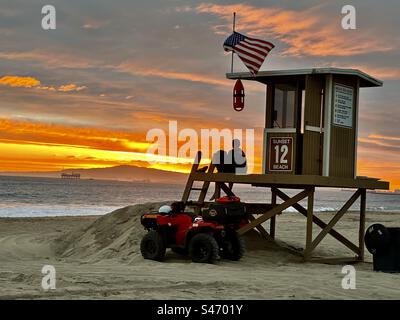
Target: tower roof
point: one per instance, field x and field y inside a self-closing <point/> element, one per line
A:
<point x="266" y="76"/>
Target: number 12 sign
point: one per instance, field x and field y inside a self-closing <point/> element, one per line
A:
<point x="280" y="154"/>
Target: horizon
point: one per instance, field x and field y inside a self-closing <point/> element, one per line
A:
<point x="84" y="96"/>
<point x="108" y="167"/>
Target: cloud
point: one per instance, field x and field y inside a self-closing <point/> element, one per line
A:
<point x="184" y="9"/>
<point x="30" y="82"/>
<point x="71" y="87"/>
<point x="385" y="144"/>
<point x="382" y="137"/>
<point x="379" y="157"/>
<point x="380" y="72"/>
<point x="55" y="60"/>
<point x="386" y="73"/>
<point x="14" y="131"/>
<point x="49" y="88"/>
<point x="208" y="79"/>
<point x="304" y="32"/>
<point x="94" y="24"/>
<point x="170" y="74"/>
<point x="19" y="82"/>
<point x="89" y="26"/>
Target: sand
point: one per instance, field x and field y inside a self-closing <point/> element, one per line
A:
<point x="99" y="258"/>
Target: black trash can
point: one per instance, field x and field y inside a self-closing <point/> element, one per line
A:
<point x="384" y="244"/>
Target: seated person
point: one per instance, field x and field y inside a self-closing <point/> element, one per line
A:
<point x="237" y="158"/>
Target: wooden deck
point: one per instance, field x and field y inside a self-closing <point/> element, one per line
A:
<point x="268" y="210"/>
<point x="293" y="181"/>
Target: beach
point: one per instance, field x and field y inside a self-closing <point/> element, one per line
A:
<point x="98" y="257"/>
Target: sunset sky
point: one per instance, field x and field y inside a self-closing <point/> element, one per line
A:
<point x="85" y="95"/>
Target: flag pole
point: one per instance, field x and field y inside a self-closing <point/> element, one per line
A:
<point x="234" y="27"/>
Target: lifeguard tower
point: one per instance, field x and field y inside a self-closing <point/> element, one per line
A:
<point x="310" y="140"/>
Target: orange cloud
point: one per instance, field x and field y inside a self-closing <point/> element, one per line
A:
<point x="385" y="170"/>
<point x="92" y="24"/>
<point x="27" y="146"/>
<point x="375" y="142"/>
<point x="306" y="32"/>
<point x="379" y="157"/>
<point x="390" y="144"/>
<point x="186" y="76"/>
<point x="30" y="156"/>
<point x="24" y="145"/>
<point x="70" y="87"/>
<point x="169" y="74"/>
<point x="391" y="73"/>
<point x="382" y="137"/>
<point x="40" y="133"/>
<point x="49" y="88"/>
<point x="19" y="82"/>
<point x="384" y="73"/>
<point x="30" y="82"/>
<point x="56" y="60"/>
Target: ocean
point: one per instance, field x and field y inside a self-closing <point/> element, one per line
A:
<point x="40" y="197"/>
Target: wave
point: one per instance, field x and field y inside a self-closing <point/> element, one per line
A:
<point x="29" y="210"/>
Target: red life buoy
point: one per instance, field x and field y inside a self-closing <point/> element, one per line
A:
<point x="238" y="96"/>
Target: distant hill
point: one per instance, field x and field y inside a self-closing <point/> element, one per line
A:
<point x="122" y="173"/>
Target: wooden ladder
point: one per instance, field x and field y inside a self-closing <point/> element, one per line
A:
<point x="189" y="184"/>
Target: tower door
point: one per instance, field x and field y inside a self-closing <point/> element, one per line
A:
<point x="313" y="125"/>
<point x="282" y="137"/>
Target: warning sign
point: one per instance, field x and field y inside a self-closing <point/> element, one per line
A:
<point x="280" y="153"/>
<point x="343" y="106"/>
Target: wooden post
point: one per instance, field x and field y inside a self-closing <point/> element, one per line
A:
<point x="226" y="189"/>
<point x="363" y="202"/>
<point x="335" y="219"/>
<point x="261" y="230"/>
<point x="269" y="214"/>
<point x="321" y="224"/>
<point x="272" y="226"/>
<point x="190" y="181"/>
<point x="310" y="215"/>
<point x="217" y="190"/>
<point x="206" y="185"/>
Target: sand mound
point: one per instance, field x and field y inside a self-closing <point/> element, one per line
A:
<point x="114" y="235"/>
<point x="118" y="235"/>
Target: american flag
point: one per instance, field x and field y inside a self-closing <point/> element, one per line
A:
<point x="251" y="51"/>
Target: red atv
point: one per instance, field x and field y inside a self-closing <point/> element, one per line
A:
<point x="205" y="238"/>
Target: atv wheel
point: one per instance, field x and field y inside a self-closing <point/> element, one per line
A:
<point x="232" y="246"/>
<point x="180" y="251"/>
<point x="203" y="248"/>
<point x="152" y="246"/>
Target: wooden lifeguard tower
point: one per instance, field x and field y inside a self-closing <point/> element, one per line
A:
<point x="310" y="140"/>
